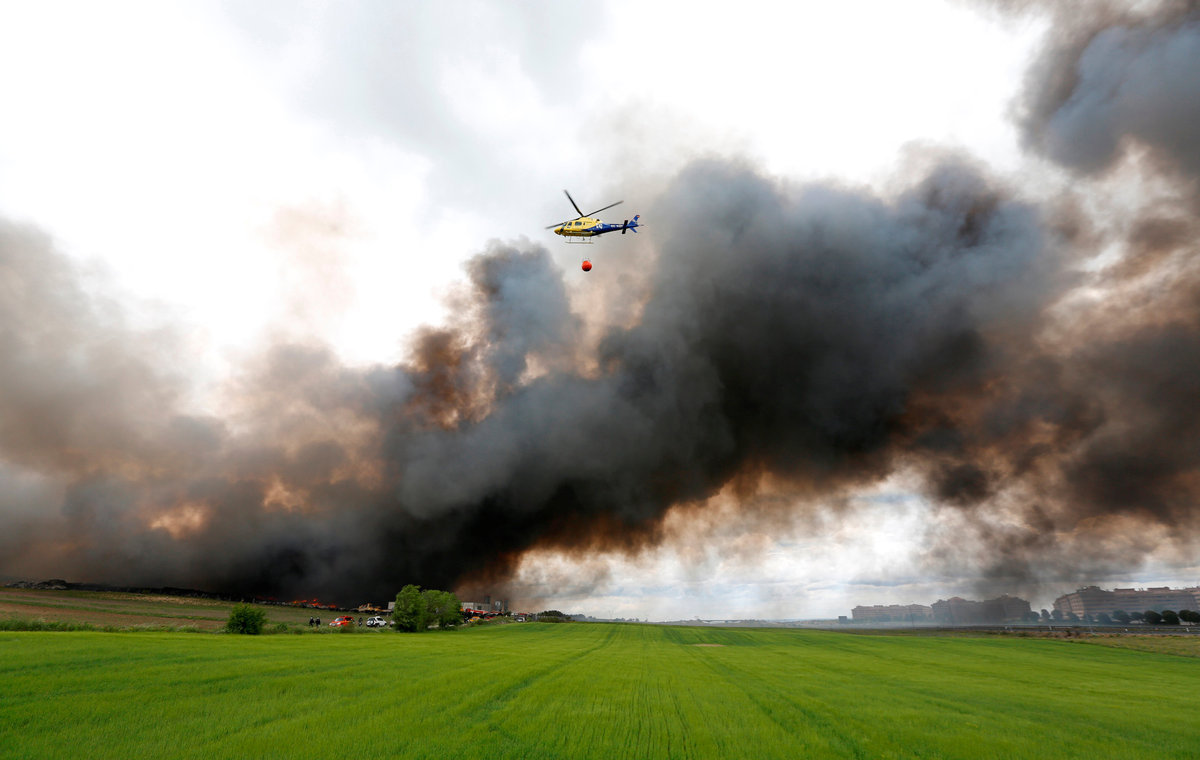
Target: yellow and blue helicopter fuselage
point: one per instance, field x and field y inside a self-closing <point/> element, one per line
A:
<point x="590" y="227"/>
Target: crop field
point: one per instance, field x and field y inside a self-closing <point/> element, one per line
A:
<point x="589" y="691"/>
<point x="124" y="610"/>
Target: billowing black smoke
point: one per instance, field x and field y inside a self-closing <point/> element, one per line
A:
<point x="816" y="338"/>
<point x="786" y="337"/>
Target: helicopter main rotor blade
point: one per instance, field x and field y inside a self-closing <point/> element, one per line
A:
<point x="561" y="223"/>
<point x="573" y="203"/>
<point x="597" y="211"/>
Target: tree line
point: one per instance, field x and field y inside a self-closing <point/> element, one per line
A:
<point x="1120" y="617"/>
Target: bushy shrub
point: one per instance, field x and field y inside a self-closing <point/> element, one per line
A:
<point x="245" y="618"/>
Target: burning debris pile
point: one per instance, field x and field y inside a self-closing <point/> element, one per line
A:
<point x="1034" y="363"/>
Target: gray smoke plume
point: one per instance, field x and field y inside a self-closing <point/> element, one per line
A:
<point x="813" y="337"/>
<point x="1112" y="99"/>
<point x="1115" y="77"/>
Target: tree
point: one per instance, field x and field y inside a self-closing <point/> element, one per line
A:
<point x="1169" y="617"/>
<point x="1137" y="616"/>
<point x="1189" y="616"/>
<point x="246" y="618"/>
<point x="442" y="607"/>
<point x="416" y="610"/>
<point x="1121" y="616"/>
<point x="410" y="613"/>
<point x="1151" y="617"/>
<point x="1045" y="615"/>
<point x="1104" y="619"/>
<point x="1057" y="615"/>
<point x="1071" y="616"/>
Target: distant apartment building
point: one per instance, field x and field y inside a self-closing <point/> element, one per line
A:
<point x="952" y="611"/>
<point x="892" y="613"/>
<point x="959" y="611"/>
<point x="1093" y="600"/>
<point x="1005" y="608"/>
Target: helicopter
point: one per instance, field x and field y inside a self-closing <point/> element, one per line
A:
<point x="587" y="225"/>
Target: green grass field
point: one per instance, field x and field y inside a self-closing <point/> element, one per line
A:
<point x="589" y="691"/>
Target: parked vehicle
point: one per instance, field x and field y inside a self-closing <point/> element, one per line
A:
<point x="376" y="622"/>
<point x="342" y="620"/>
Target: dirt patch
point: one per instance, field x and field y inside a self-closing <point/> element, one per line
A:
<point x="52" y="613"/>
<point x="123" y="609"/>
<point x="97" y="609"/>
<point x="1183" y="645"/>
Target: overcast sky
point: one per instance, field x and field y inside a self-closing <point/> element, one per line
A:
<point x="255" y="172"/>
